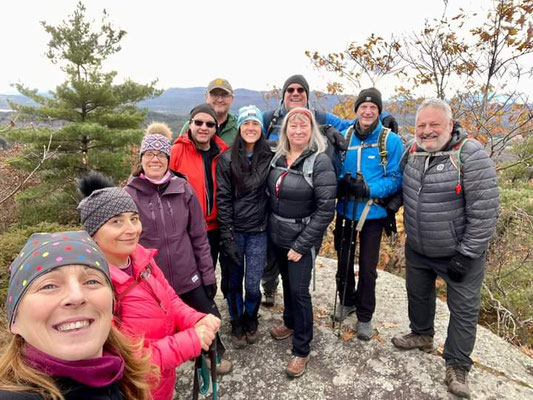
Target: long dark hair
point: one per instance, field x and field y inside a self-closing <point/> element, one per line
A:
<point x="245" y="172"/>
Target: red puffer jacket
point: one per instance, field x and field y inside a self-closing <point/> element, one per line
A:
<point x="151" y="309"/>
<point x="186" y="159"/>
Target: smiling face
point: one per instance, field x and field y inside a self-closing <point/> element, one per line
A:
<point x="154" y="164"/>
<point x="118" y="237"/>
<point x="200" y="132"/>
<point x="298" y="131"/>
<point x="367" y="113"/>
<point x="433" y="130"/>
<point x="220" y="100"/>
<point x="66" y="313"/>
<point x="295" y="96"/>
<point x="250" y="131"/>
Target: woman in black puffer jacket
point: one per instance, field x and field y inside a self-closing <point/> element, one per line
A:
<point x="242" y="214"/>
<point x="302" y="187"/>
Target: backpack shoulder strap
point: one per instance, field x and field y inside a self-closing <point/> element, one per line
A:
<point x="308" y="167"/>
<point x="382" y="148"/>
<point x="274" y="117"/>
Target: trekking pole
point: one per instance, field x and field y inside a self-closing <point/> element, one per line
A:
<point x="337" y="280"/>
<point x="213" y="358"/>
<point x="201" y="377"/>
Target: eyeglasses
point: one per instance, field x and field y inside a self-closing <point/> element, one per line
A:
<point x="199" y="122"/>
<point x="149" y="155"/>
<point x="291" y="90"/>
<point x="220" y="95"/>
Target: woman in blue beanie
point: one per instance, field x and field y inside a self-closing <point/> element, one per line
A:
<point x="242" y="214"/>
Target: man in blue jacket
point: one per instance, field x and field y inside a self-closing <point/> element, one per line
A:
<point x="370" y="174"/>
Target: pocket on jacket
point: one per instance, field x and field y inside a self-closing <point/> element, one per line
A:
<point x="454" y="233"/>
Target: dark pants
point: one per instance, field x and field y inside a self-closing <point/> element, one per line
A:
<point x="463" y="300"/>
<point x="298" y="310"/>
<point x="252" y="251"/>
<point x="214" y="242"/>
<point x="197" y="299"/>
<point x="271" y="272"/>
<point x="364" y="299"/>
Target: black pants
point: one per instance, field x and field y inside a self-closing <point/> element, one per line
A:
<point x="214" y="242"/>
<point x="270" y="279"/>
<point x="364" y="299"/>
<point x="197" y="299"/>
<point x="298" y="309"/>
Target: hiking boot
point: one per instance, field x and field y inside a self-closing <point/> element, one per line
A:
<point x="364" y="330"/>
<point x="457" y="380"/>
<point x="296" y="366"/>
<point x="413" y="341"/>
<point x="342" y="312"/>
<point x="251" y="329"/>
<point x="238" y="337"/>
<point x="270" y="299"/>
<point x="281" y="332"/>
<point x="224" y="367"/>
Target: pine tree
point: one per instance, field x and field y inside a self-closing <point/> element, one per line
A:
<point x="99" y="119"/>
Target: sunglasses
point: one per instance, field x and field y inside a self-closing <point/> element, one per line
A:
<point x="199" y="122"/>
<point x="291" y="90"/>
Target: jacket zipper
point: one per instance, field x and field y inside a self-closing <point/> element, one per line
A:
<point x="170" y="276"/>
<point x="154" y="221"/>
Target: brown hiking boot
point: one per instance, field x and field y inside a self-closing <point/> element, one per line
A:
<point x="238" y="338"/>
<point x="457" y="380"/>
<point x="281" y="332"/>
<point x="224" y="367"/>
<point x="413" y="341"/>
<point x="251" y="328"/>
<point x="296" y="366"/>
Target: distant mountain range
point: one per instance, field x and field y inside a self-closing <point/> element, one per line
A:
<point x="180" y="101"/>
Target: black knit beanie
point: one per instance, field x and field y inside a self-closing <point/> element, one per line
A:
<point x="204" y="108"/>
<point x="300" y="80"/>
<point x="371" y="95"/>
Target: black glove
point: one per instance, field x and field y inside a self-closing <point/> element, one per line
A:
<point x="459" y="266"/>
<point x="229" y="247"/>
<point x="389" y="223"/>
<point x="390" y="122"/>
<point x="211" y="290"/>
<point x="334" y="137"/>
<point x="393" y="202"/>
<point x="359" y="188"/>
<point x="343" y="187"/>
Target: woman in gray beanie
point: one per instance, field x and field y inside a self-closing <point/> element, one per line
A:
<point x="63" y="344"/>
<point x="147" y="306"/>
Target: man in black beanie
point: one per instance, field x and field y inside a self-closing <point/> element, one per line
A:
<point x="370" y="173"/>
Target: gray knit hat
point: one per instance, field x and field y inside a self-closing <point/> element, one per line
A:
<point x="102" y="202"/>
<point x="44" y="252"/>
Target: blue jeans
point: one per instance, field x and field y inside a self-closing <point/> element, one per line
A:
<point x="252" y="251"/>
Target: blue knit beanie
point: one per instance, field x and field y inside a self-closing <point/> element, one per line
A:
<point x="249" y="112"/>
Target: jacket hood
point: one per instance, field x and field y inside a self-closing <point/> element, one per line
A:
<point x="458" y="134"/>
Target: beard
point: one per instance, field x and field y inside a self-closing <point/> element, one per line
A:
<point x="437" y="142"/>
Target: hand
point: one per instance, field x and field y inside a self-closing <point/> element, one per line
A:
<point x="359" y="188"/>
<point x="211" y="291"/>
<point x="390" y="122"/>
<point x="229" y="247"/>
<point x="293" y="256"/>
<point x="209" y="321"/>
<point x="343" y="187"/>
<point x="205" y="335"/>
<point x="459" y="266"/>
<point x="334" y="137"/>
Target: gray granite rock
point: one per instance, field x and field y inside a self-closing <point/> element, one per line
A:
<point x="347" y="368"/>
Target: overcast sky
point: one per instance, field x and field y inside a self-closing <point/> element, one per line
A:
<point x="253" y="44"/>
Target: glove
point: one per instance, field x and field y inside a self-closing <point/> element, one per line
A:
<point x="229" y="247"/>
<point x="393" y="202"/>
<point x="390" y="122"/>
<point x="359" y="188"/>
<point x="459" y="266"/>
<point x="343" y="187"/>
<point x="211" y="290"/>
<point x="334" y="137"/>
<point x="389" y="223"/>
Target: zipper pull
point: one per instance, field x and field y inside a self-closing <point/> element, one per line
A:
<point x="458" y="189"/>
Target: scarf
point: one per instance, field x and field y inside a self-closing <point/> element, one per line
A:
<point x="166" y="178"/>
<point x="96" y="372"/>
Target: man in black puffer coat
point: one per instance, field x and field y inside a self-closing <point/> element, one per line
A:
<point x="450" y="193"/>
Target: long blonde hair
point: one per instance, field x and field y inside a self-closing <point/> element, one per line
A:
<point x="16" y="375"/>
<point x="316" y="141"/>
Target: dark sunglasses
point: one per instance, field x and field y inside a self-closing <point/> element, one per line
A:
<point x="199" y="122"/>
<point x="291" y="90"/>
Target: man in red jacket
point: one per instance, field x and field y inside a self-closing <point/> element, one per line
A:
<point x="195" y="155"/>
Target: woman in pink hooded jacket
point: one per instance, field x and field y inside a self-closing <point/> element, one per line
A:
<point x="146" y="306"/>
